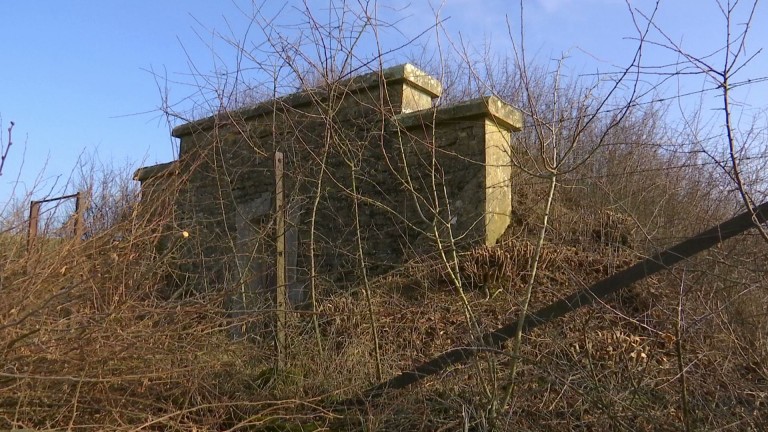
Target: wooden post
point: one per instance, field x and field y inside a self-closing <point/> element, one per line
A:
<point x="34" y="217"/>
<point x="280" y="294"/>
<point x="80" y="205"/>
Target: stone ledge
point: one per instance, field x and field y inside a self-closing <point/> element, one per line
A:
<point x="163" y="169"/>
<point x="405" y="73"/>
<point x="504" y="114"/>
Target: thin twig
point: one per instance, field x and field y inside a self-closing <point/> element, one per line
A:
<point x="7" y="147"/>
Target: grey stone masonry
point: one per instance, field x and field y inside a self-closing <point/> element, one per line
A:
<point x="374" y="175"/>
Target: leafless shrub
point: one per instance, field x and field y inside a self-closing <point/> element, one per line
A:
<point x="113" y="333"/>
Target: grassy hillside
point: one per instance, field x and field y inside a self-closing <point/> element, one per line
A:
<point x="88" y="341"/>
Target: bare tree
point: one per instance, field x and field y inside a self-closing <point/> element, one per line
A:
<point x="722" y="70"/>
<point x="5" y="148"/>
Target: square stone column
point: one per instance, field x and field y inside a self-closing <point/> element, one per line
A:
<point x="472" y="144"/>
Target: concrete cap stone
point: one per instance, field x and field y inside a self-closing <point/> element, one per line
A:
<point x="504" y="114"/>
<point x="146" y="173"/>
<point x="405" y="73"/>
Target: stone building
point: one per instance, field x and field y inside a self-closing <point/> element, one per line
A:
<point x="368" y="173"/>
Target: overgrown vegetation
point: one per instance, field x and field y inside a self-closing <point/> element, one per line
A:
<point x="101" y="334"/>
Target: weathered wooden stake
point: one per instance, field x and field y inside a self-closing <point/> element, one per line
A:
<point x="80" y="206"/>
<point x="34" y="217"/>
<point x="280" y="294"/>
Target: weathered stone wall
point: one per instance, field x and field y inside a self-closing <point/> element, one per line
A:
<point x="370" y="166"/>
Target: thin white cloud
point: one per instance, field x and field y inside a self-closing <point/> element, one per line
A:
<point x="552" y="6"/>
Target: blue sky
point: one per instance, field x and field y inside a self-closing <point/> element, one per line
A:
<point x="76" y="75"/>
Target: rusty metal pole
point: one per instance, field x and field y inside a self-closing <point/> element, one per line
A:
<point x="280" y="294"/>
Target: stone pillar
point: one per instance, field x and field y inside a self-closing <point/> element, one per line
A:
<point x="471" y="141"/>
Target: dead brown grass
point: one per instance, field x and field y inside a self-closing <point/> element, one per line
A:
<point x="91" y="342"/>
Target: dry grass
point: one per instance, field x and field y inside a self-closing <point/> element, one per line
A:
<point x="88" y="344"/>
